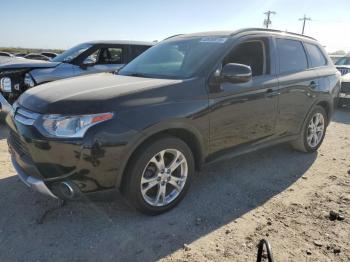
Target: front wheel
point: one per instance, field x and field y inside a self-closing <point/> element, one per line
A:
<point x="159" y="175"/>
<point x="313" y="131"/>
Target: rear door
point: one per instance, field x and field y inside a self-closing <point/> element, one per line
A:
<point x="297" y="85"/>
<point x="246" y="112"/>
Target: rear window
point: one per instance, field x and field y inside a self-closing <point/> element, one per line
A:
<point x="316" y="57"/>
<point x="292" y="57"/>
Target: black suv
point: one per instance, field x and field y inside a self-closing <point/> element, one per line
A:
<point x="187" y="101"/>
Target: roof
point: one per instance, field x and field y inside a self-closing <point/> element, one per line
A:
<point x="120" y="42"/>
<point x="245" y="30"/>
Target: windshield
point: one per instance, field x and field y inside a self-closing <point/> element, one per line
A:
<point x="343" y="61"/>
<point x="68" y="55"/>
<point x="177" y="59"/>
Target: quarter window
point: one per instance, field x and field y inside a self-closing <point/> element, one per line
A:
<point x="316" y="56"/>
<point x="292" y="57"/>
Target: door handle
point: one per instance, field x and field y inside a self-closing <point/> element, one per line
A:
<point x="313" y="85"/>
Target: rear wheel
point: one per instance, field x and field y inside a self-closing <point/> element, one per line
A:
<point x="159" y="175"/>
<point x="313" y="131"/>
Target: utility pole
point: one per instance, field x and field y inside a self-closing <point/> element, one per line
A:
<point x="304" y="19"/>
<point x="267" y="21"/>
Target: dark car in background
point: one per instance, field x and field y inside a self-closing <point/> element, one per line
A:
<point x="6" y="54"/>
<point x="87" y="58"/>
<point x="343" y="65"/>
<point x="20" y="55"/>
<point x="188" y="101"/>
<point x="35" y="56"/>
<point x="49" y="54"/>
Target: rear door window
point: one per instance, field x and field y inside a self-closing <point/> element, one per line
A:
<point x="292" y="56"/>
<point x="317" y="59"/>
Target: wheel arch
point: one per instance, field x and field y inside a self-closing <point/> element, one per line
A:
<point x="188" y="134"/>
<point x="327" y="107"/>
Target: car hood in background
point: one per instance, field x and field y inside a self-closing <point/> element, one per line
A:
<point x="18" y="63"/>
<point x="89" y="94"/>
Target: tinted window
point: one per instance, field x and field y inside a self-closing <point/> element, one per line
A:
<point x="250" y="53"/>
<point x="316" y="56"/>
<point x="292" y="56"/>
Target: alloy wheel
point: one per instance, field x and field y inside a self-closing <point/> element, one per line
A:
<point x="164" y="177"/>
<point x="315" y="130"/>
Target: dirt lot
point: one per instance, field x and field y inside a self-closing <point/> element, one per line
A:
<point x="277" y="194"/>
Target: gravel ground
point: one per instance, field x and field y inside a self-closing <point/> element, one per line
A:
<point x="277" y="193"/>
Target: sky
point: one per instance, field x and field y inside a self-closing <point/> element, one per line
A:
<point x="65" y="23"/>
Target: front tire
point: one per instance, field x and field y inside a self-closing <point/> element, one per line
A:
<point x="313" y="131"/>
<point x="159" y="175"/>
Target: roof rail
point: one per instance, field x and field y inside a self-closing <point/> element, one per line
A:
<point x="269" y="30"/>
<point x="171" y="36"/>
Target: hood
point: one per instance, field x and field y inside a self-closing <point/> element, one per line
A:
<point x="5" y="59"/>
<point x="88" y="94"/>
<point x="18" y="63"/>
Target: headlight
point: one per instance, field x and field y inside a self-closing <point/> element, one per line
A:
<point x="28" y="81"/>
<point x="72" y="126"/>
<point x="5" y="84"/>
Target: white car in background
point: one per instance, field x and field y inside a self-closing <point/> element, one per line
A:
<point x="343" y="65"/>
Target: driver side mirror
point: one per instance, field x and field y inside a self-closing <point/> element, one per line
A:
<point x="88" y="62"/>
<point x="236" y="73"/>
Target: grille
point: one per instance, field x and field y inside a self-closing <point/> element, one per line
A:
<point x="17" y="144"/>
<point x="344" y="71"/>
<point x="345" y="87"/>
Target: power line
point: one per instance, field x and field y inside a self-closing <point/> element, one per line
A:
<point x="268" y="21"/>
<point x="304" y="19"/>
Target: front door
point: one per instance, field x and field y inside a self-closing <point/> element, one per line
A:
<point x="245" y="112"/>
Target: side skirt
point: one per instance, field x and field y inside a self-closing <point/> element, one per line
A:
<point x="244" y="149"/>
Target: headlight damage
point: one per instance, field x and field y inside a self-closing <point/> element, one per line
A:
<point x="72" y="126"/>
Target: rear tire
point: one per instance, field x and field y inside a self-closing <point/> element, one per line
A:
<point x="159" y="175"/>
<point x="313" y="131"/>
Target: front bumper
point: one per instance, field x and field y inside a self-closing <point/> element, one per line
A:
<point x="94" y="163"/>
<point x="32" y="182"/>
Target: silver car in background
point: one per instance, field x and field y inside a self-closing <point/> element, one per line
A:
<point x="92" y="57"/>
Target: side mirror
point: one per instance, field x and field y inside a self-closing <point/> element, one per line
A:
<point x="88" y="62"/>
<point x="236" y="73"/>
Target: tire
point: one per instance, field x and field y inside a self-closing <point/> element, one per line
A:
<point x="302" y="143"/>
<point x="146" y="165"/>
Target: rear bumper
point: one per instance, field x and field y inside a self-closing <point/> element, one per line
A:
<point x="32" y="182"/>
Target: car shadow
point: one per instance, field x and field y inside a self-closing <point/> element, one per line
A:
<point x="113" y="231"/>
<point x="342" y="115"/>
